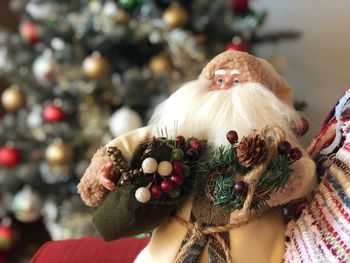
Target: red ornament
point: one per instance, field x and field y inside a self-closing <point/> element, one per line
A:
<point x="166" y="186"/>
<point x="232" y="137"/>
<point x="29" y="32"/>
<point x="6" y="237"/>
<point x="237" y="47"/>
<point x="9" y="156"/>
<point x="177" y="180"/>
<point x="240" y="6"/>
<point x="180" y="140"/>
<point x="53" y="113"/>
<point x="177" y="167"/>
<point x="196" y="144"/>
<point x="156" y="191"/>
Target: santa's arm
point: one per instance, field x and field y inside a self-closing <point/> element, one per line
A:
<point x="90" y="188"/>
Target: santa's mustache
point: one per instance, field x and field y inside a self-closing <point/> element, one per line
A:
<point x="253" y="101"/>
<point x="208" y="114"/>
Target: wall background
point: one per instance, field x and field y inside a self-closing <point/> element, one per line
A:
<point x="318" y="64"/>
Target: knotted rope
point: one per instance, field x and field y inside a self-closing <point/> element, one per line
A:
<point x="273" y="135"/>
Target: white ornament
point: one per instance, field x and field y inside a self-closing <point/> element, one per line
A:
<point x="27" y="205"/>
<point x="143" y="194"/>
<point x="41" y="11"/>
<point x="44" y="68"/>
<point x="123" y="121"/>
<point x="165" y="168"/>
<point x="149" y="165"/>
<point x="34" y="118"/>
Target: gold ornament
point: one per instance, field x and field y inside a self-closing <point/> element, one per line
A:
<point x="58" y="153"/>
<point x="159" y="64"/>
<point x="175" y="15"/>
<point x="12" y="99"/>
<point x="95" y="66"/>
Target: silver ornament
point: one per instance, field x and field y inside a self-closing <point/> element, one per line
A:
<point x="34" y="118"/>
<point x="44" y="68"/>
<point x="123" y="121"/>
<point x="26" y="205"/>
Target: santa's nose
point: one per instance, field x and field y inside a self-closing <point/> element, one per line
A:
<point x="233" y="80"/>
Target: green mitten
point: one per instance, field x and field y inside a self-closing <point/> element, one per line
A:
<point x="121" y="215"/>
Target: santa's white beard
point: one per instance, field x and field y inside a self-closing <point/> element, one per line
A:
<point x="196" y="111"/>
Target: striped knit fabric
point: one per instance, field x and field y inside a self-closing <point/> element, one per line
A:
<point x="322" y="233"/>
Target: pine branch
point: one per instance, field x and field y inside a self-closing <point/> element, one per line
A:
<point x="225" y="162"/>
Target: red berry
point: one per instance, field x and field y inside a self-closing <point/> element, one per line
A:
<point x="9" y="157"/>
<point x="180" y="140"/>
<point x="295" y="154"/>
<point x="53" y="113"/>
<point x="232" y="136"/>
<point x="177" y="167"/>
<point x="196" y="144"/>
<point x="298" y="210"/>
<point x="166" y="186"/>
<point x="240" y="188"/>
<point x="177" y="180"/>
<point x="156" y="191"/>
<point x="192" y="154"/>
<point x="284" y="148"/>
<point x="304" y="128"/>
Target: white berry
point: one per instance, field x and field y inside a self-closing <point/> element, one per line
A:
<point x="165" y="168"/>
<point x="149" y="165"/>
<point x="143" y="194"/>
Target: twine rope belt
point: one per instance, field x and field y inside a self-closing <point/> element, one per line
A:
<point x="198" y="232"/>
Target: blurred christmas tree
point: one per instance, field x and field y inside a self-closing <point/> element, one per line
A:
<point x="82" y="72"/>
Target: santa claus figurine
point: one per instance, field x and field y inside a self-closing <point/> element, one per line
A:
<point x="235" y="92"/>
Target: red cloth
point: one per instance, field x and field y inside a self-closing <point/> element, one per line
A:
<point x="90" y="250"/>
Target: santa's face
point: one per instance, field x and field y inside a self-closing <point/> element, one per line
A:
<point x="226" y="78"/>
<point x="208" y="109"/>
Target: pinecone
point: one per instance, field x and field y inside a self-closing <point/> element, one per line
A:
<point x="251" y="150"/>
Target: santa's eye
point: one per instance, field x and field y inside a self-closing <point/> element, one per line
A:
<point x="220" y="81"/>
<point x="236" y="81"/>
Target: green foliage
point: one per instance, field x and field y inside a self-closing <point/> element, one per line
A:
<point x="226" y="164"/>
<point x="224" y="196"/>
<point x="224" y="158"/>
